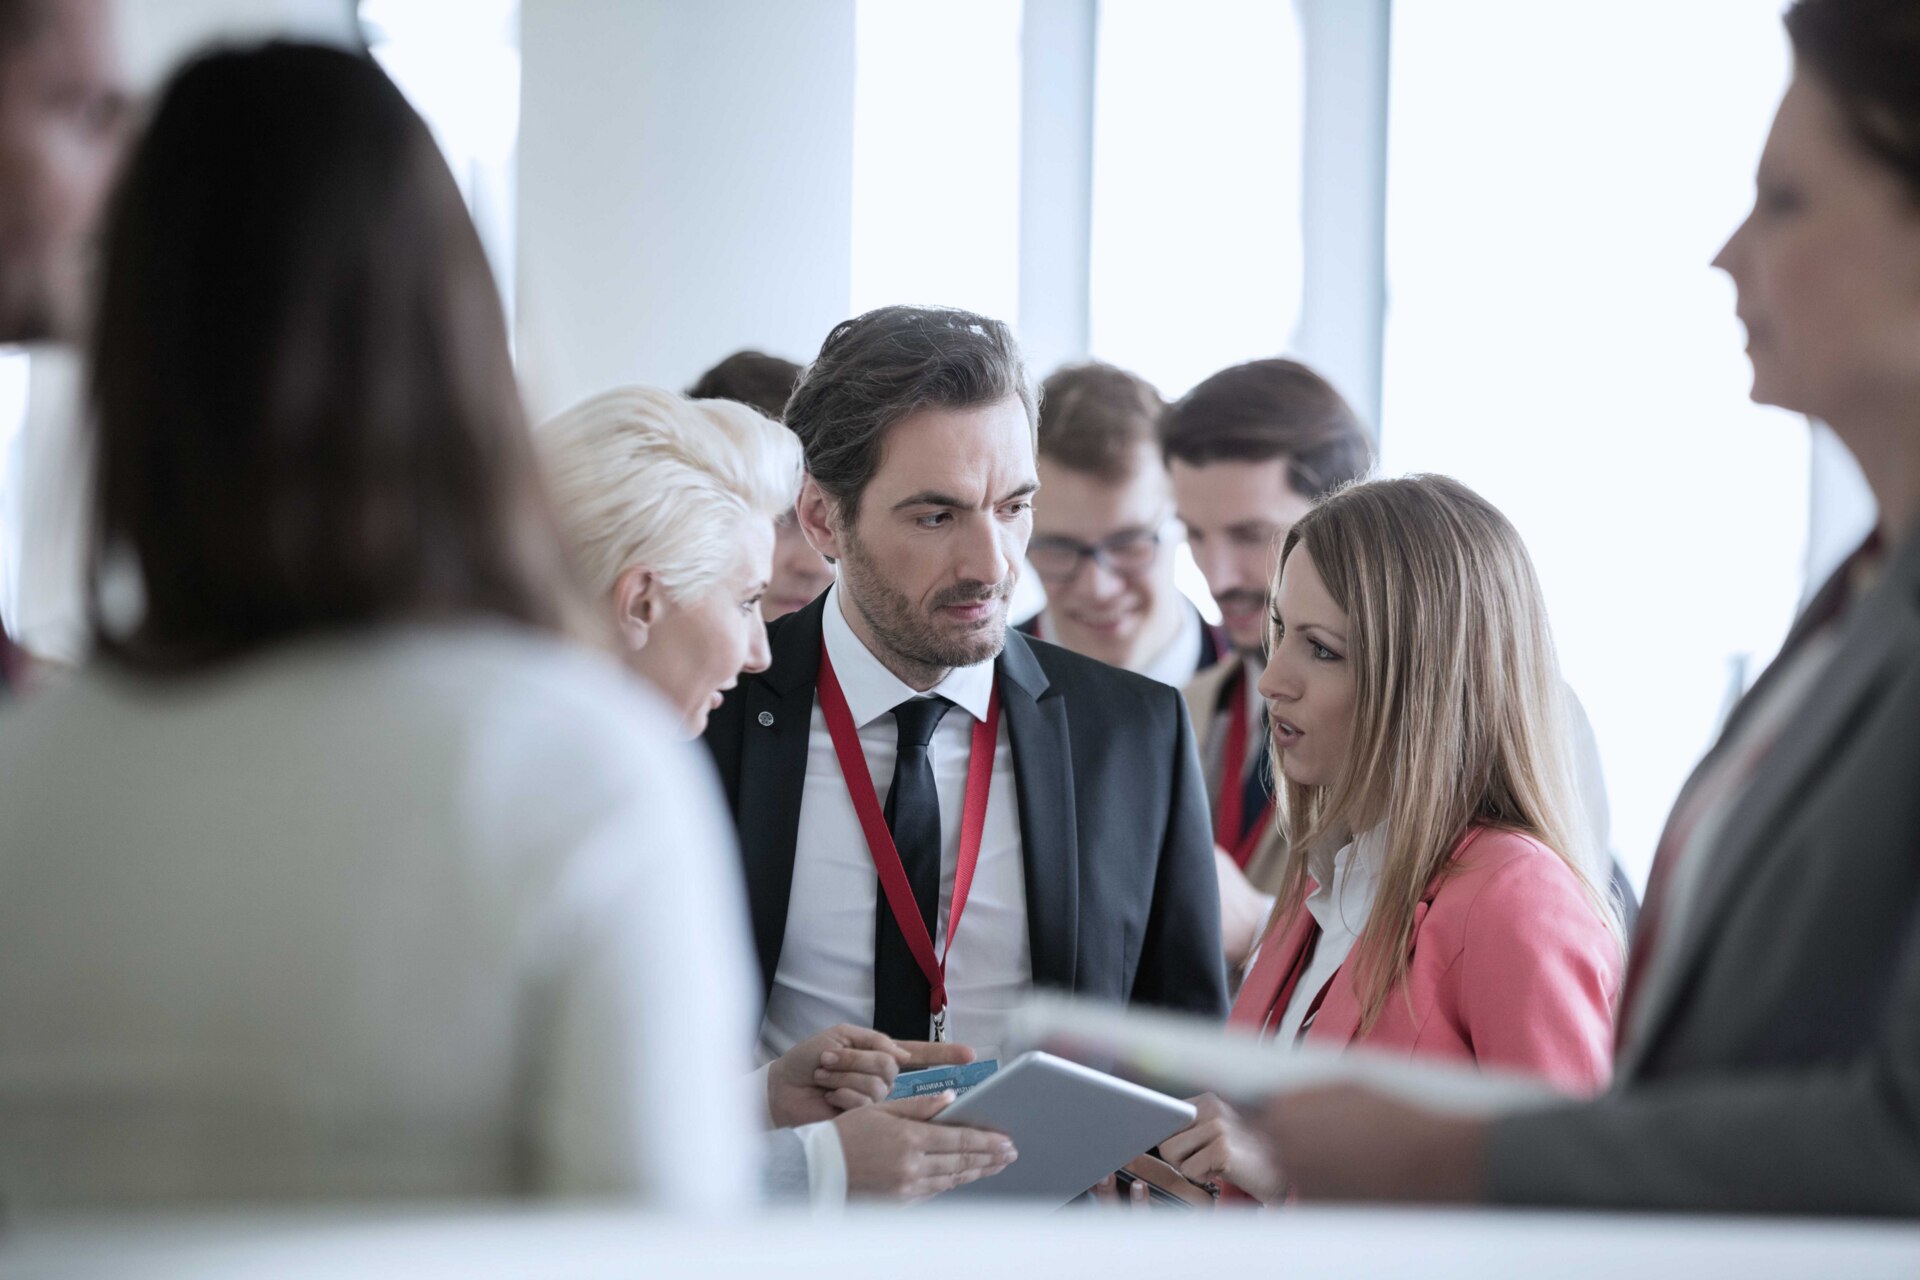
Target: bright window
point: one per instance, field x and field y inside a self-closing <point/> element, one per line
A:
<point x="1195" y="260"/>
<point x="458" y="62"/>
<point x="936" y="154"/>
<point x="1559" y="179"/>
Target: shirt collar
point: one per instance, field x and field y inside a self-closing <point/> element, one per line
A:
<point x="1346" y="881"/>
<point x="1175" y="663"/>
<point x="1179" y="658"/>
<point x="873" y="691"/>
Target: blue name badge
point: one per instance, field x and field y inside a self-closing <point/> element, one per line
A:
<point x="917" y="1084"/>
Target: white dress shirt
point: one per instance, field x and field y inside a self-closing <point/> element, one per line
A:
<point x="1176" y="662"/>
<point x="825" y="975"/>
<point x="436" y="912"/>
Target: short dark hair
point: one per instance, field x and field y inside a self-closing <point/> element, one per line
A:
<point x="1095" y="419"/>
<point x="1268" y="409"/>
<point x="751" y="378"/>
<point x="305" y="408"/>
<point x="878" y="368"/>
<point x="1867" y="55"/>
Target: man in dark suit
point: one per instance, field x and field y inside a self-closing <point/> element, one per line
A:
<point x="1052" y="804"/>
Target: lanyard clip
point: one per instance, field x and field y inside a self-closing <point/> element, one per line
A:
<point x="940" y="1025"/>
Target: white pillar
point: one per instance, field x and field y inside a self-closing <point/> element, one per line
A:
<point x="1056" y="179"/>
<point x="1344" y="196"/>
<point x="686" y="180"/>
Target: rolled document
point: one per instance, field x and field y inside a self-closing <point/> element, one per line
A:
<point x="1181" y="1054"/>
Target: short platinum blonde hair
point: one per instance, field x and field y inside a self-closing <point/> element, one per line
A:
<point x="642" y="476"/>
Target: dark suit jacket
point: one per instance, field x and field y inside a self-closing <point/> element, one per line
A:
<point x="1121" y="897"/>
<point x="1779" y="1069"/>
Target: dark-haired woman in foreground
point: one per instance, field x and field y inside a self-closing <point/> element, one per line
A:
<point x="340" y="874"/>
<point x="1768" y="1055"/>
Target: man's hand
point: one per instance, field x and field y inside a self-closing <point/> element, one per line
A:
<point x="894" y="1153"/>
<point x="845" y="1067"/>
<point x="1243" y="910"/>
<point x="1220" y="1146"/>
<point x="1349" y="1143"/>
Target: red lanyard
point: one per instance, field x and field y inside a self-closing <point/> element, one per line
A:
<point x="886" y="858"/>
<point x="1229" y="814"/>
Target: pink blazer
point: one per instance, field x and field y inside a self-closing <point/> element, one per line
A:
<point x="1510" y="967"/>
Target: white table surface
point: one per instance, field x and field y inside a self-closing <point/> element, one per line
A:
<point x="1296" y="1243"/>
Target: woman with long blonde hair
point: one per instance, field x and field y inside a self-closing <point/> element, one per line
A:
<point x="1433" y="902"/>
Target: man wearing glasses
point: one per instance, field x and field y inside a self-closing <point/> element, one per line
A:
<point x="1104" y="531"/>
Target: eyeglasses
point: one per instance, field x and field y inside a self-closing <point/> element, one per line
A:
<point x="1058" y="561"/>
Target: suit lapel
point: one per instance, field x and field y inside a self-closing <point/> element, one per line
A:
<point x="1882" y="629"/>
<point x="777" y="719"/>
<point x="1049" y="837"/>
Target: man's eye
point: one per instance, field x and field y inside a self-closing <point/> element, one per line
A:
<point x="933" y="521"/>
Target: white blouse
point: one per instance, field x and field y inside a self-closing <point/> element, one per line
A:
<point x="430" y="912"/>
<point x="1345" y="885"/>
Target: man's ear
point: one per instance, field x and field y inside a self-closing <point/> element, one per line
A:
<point x="817" y="511"/>
<point x="637" y="602"/>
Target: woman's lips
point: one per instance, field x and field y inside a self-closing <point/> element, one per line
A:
<point x="1285" y="734"/>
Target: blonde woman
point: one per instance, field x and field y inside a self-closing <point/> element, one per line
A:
<point x="1433" y="901"/>
<point x="670" y="504"/>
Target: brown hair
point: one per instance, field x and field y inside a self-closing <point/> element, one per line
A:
<point x="1095" y="419"/>
<point x="1269" y="409"/>
<point x="1459" y="717"/>
<point x="878" y="368"/>
<point x="1867" y="54"/>
<point x="306" y="412"/>
<point x="751" y="378"/>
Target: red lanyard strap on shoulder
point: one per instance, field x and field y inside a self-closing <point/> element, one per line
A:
<point x="873" y="823"/>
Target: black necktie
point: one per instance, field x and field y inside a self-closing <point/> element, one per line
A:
<point x="900" y="990"/>
<point x="1257" y="787"/>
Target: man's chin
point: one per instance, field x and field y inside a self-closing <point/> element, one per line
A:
<point x="967" y="643"/>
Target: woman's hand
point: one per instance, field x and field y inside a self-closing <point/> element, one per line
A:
<point x="1220" y="1146"/>
<point x="846" y="1067"/>
<point x="894" y="1153"/>
<point x="1107" y="1191"/>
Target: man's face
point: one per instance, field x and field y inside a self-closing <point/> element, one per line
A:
<point x="62" y="112"/>
<point x="931" y="558"/>
<point x="1236" y="515"/>
<point x="1108" y="607"/>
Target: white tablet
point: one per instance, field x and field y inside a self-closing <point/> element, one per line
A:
<point x="1072" y="1126"/>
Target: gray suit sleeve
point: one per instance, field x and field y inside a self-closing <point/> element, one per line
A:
<point x="1843" y="1138"/>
